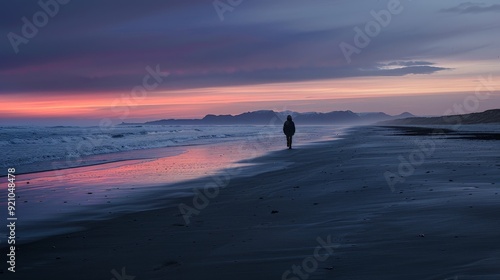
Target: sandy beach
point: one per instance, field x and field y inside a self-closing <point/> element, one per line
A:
<point x="375" y="204"/>
<point x="250" y="140"/>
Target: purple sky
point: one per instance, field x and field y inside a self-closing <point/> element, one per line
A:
<point x="98" y="50"/>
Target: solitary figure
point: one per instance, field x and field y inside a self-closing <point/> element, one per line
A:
<point x="289" y="130"/>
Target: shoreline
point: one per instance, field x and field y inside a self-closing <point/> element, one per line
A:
<point x="168" y="172"/>
<point x="177" y="139"/>
<point x="260" y="226"/>
<point x="176" y="150"/>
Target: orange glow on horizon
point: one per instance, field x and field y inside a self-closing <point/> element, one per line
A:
<point x="191" y="102"/>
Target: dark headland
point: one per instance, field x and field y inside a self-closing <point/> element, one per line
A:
<point x="266" y="117"/>
<point x="486" y="117"/>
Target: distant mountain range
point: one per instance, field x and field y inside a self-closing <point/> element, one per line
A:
<point x="265" y="117"/>
<point x="490" y="116"/>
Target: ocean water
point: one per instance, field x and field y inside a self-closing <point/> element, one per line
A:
<point x="32" y="149"/>
<point x="66" y="175"/>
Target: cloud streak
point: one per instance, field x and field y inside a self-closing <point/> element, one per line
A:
<point x="473" y="8"/>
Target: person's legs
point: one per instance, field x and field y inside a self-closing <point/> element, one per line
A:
<point x="290" y="146"/>
<point x="288" y="141"/>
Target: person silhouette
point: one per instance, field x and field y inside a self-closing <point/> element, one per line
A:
<point x="289" y="130"/>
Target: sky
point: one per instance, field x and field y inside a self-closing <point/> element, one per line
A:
<point x="68" y="62"/>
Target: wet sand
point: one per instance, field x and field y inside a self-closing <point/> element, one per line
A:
<point x="333" y="212"/>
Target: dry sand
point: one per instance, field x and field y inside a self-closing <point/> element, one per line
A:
<point x="442" y="222"/>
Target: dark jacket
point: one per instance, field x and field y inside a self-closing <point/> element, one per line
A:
<point x="289" y="128"/>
